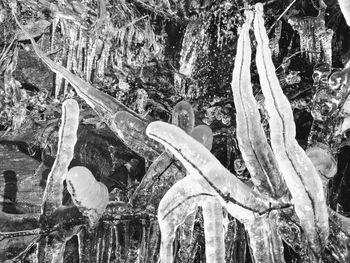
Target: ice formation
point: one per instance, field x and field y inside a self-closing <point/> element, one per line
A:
<point x="183" y="116"/>
<point x="204" y="135"/>
<point x="211" y="186"/>
<point x="301" y="177"/>
<point x="67" y="137"/>
<point x="164" y="172"/>
<point x="315" y="38"/>
<point x="132" y="130"/>
<point x="89" y="195"/>
<point x="206" y="179"/>
<point x="323" y="160"/>
<point x="320" y="74"/>
<point x="345" y="9"/>
<point x="256" y="152"/>
<point x="103" y="104"/>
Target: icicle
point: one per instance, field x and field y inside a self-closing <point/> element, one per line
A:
<point x="315" y="39"/>
<point x="59" y="80"/>
<point x="141" y="101"/>
<point x="186" y="237"/>
<point x="264" y="240"/>
<point x="191" y="47"/>
<point x="213" y="231"/>
<point x="274" y="42"/>
<point x="118" y="246"/>
<point x="90" y="60"/>
<point x="110" y="243"/>
<point x="89" y="195"/>
<point x="80" y="237"/>
<point x="183" y="116"/>
<point x="67" y="137"/>
<point x="81" y="51"/>
<point x="103" y="60"/>
<point x="71" y="59"/>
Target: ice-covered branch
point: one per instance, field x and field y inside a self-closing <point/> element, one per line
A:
<point x="256" y="152"/>
<point x="297" y="169"/>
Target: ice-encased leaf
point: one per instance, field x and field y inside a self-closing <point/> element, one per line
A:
<point x="297" y="169"/>
<point x="183" y="116"/>
<point x="90" y="196"/>
<point x="132" y="131"/>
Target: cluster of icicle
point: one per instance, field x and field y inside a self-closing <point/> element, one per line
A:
<point x="278" y="171"/>
<point x="315" y="38"/>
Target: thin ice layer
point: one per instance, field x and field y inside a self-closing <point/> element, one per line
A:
<point x="298" y="171"/>
<point x="67" y="137"/>
<point x="253" y="145"/>
<point x="183" y="116"/>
